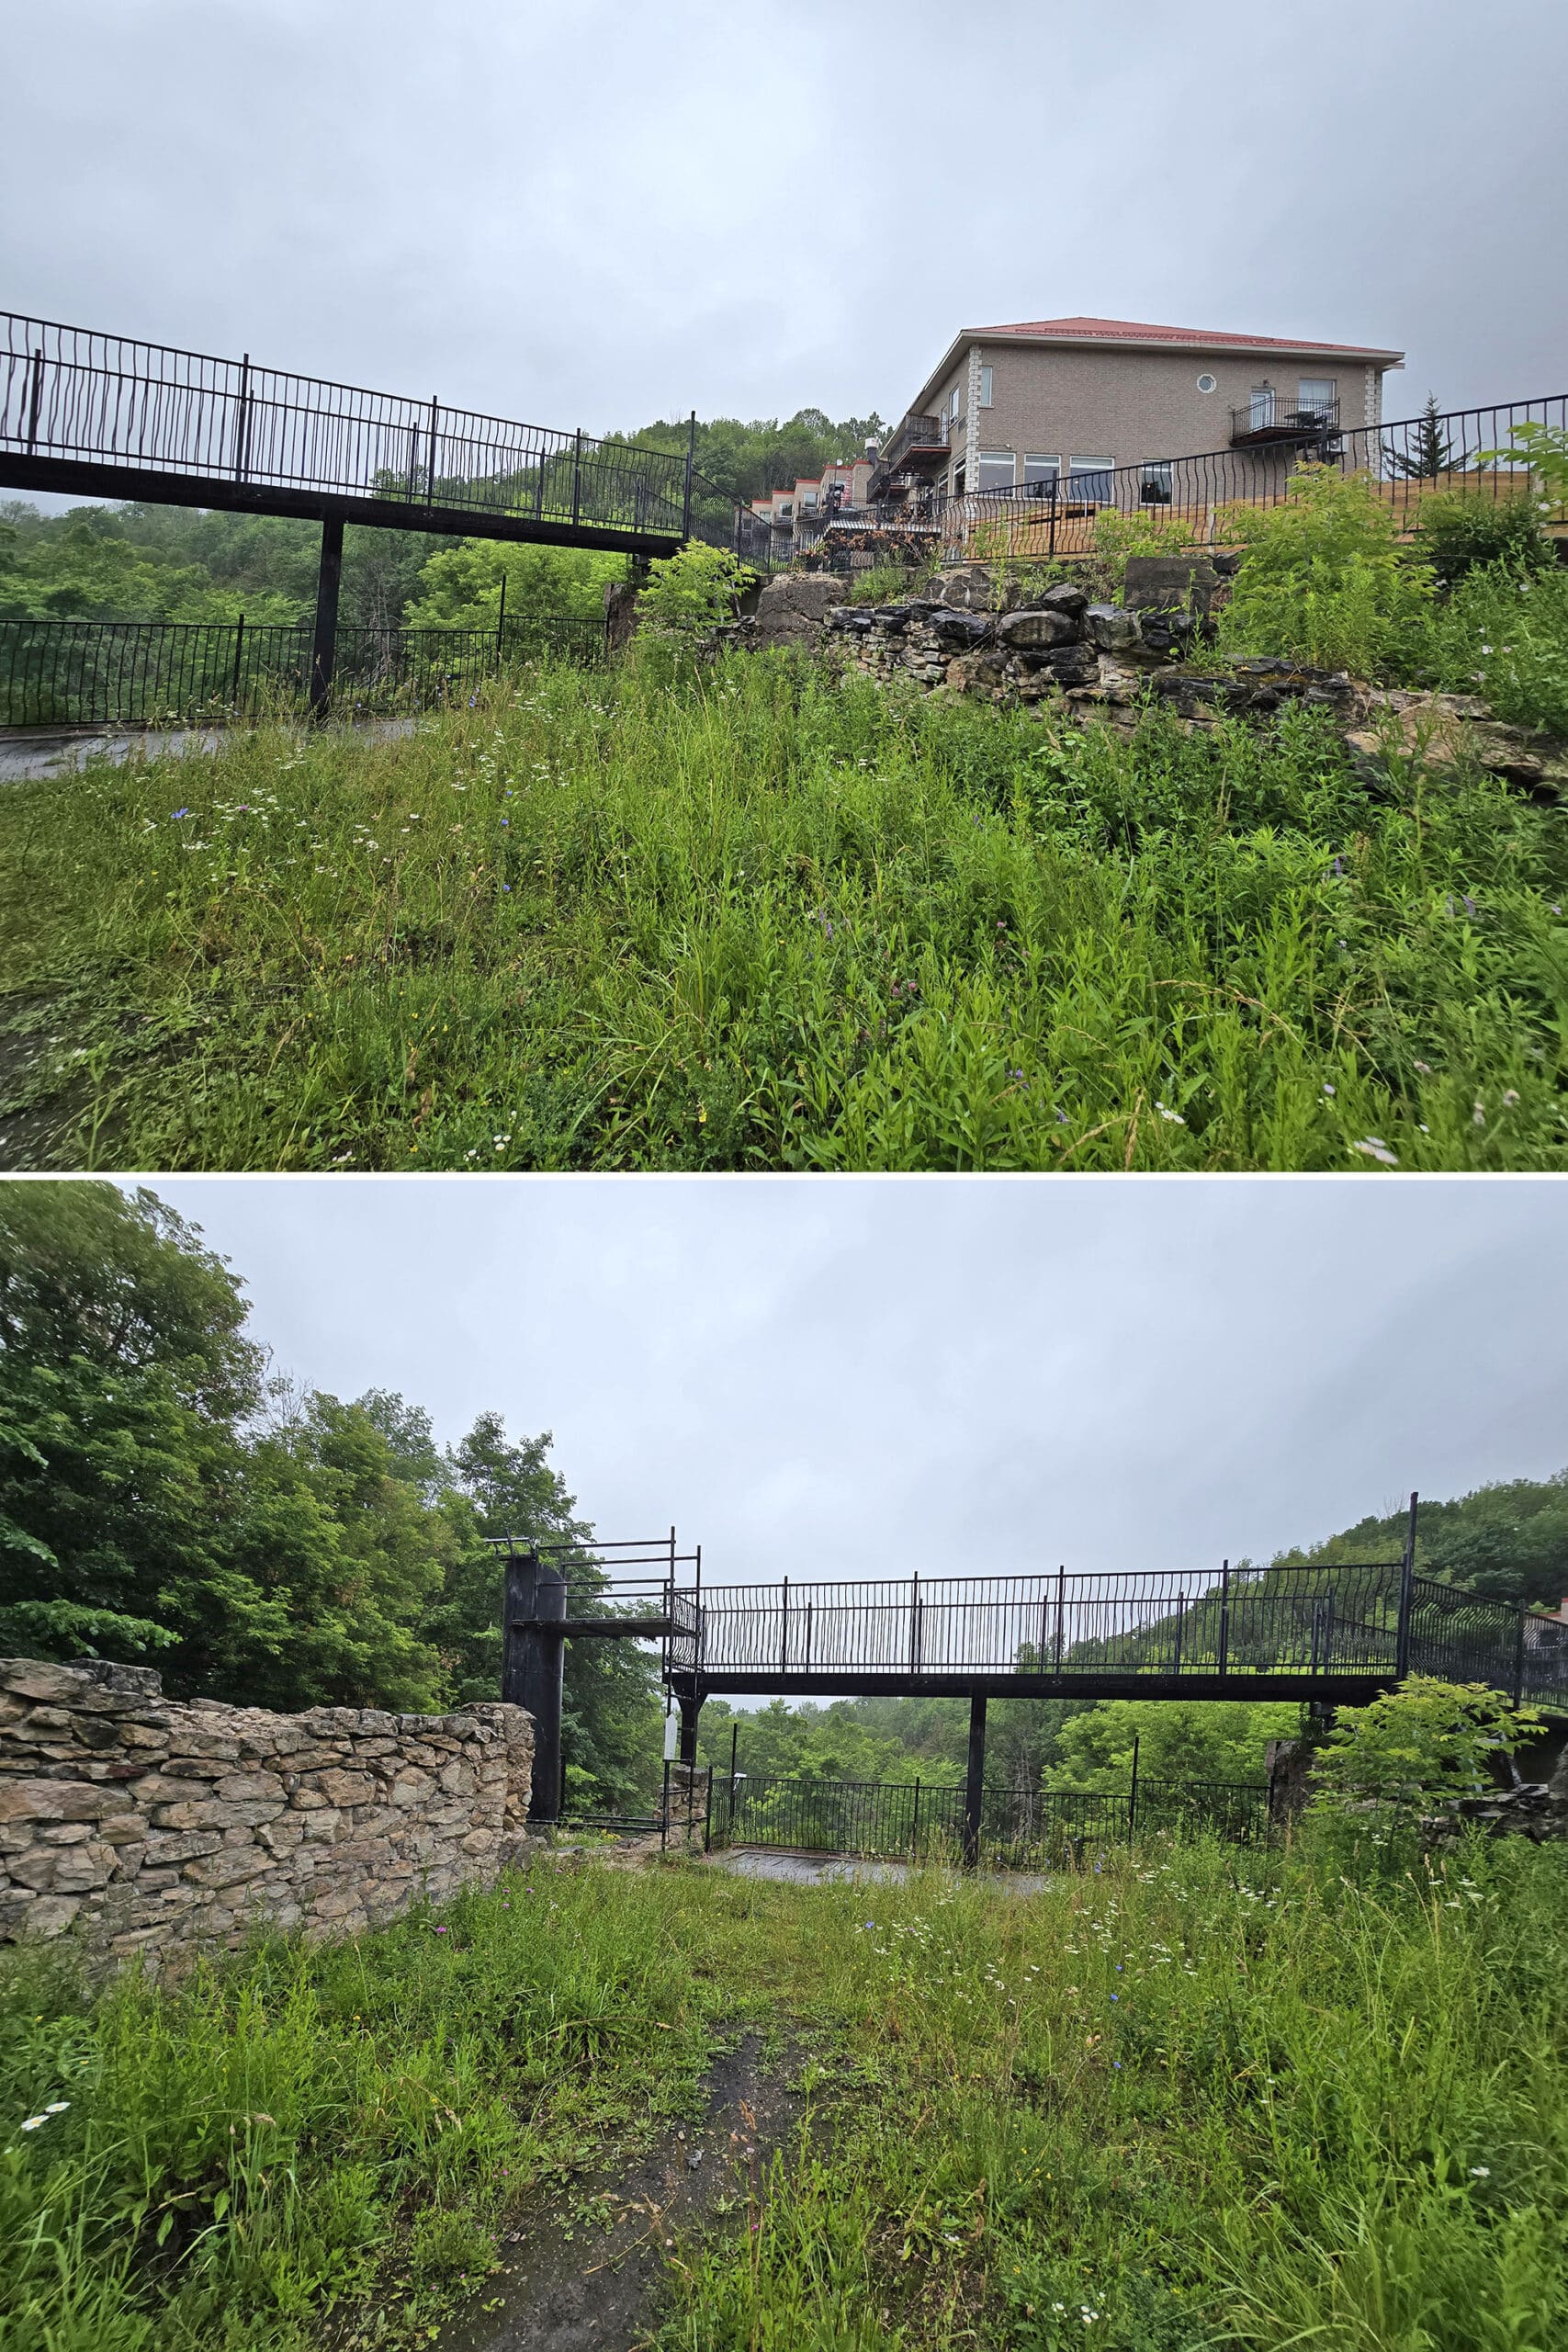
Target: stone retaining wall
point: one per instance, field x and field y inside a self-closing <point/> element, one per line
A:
<point x="142" y="1824"/>
<point x="971" y="632"/>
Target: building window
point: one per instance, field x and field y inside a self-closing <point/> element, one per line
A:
<point x="958" y="481"/>
<point x="997" y="467"/>
<point x="954" y="405"/>
<point x="1316" y="395"/>
<point x="1041" y="475"/>
<point x="1091" y="477"/>
<point x="1154" y="483"/>
<point x="808" y="498"/>
<point x="984" y="388"/>
<point x="1207" y="383"/>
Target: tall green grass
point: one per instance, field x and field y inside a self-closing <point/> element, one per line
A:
<point x="1172" y="2105"/>
<point x="758" y="921"/>
<point x="301" y="2141"/>
<point x="1203" y="2097"/>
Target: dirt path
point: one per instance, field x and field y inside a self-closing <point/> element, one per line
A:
<point x="597" y="2290"/>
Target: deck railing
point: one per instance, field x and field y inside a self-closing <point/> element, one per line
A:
<point x="1371" y="1621"/>
<point x="1187" y="501"/>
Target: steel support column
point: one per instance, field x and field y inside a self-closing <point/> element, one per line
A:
<point x="974" y="1780"/>
<point x="532" y="1663"/>
<point x="324" y="643"/>
<point x="691" y="1708"/>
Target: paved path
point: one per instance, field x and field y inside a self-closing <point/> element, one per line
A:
<point x="839" y="1869"/>
<point x="29" y="752"/>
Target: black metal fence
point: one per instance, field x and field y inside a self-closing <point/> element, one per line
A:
<point x="1371" y="1620"/>
<point x="923" y="1821"/>
<point x="149" y="673"/>
<point x="1187" y="501"/>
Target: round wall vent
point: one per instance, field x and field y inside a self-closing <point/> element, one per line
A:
<point x="1206" y="383"/>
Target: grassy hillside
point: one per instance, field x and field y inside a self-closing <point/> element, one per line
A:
<point x="615" y="921"/>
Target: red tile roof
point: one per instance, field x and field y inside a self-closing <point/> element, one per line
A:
<point x="1131" y="330"/>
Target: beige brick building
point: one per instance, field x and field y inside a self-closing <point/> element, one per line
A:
<point x="1069" y="399"/>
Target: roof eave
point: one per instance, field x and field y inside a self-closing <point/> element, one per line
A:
<point x="1279" y="350"/>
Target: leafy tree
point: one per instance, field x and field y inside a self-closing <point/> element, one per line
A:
<point x="460" y="587"/>
<point x="1179" y="1739"/>
<point x="610" y="1742"/>
<point x="1431" y="455"/>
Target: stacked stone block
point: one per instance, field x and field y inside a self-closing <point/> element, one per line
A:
<point x="142" y="1824"/>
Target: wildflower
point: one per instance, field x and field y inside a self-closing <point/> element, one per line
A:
<point x="1481" y="2172"/>
<point x="57" y="2106"/>
<point x="1425" y="1068"/>
<point x="1375" y="1149"/>
<point x="1326" y="1088"/>
<point x="175" y="814"/>
<point x="1174" y="1116"/>
<point x="1510" y="1099"/>
<point x="441" y="1931"/>
<point x="1478" y="1115"/>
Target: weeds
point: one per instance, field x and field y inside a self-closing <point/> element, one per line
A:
<point x="754" y="921"/>
<point x="1183" y="2097"/>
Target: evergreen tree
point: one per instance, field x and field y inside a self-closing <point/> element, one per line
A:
<point x="1430" y="456"/>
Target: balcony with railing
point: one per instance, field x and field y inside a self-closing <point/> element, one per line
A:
<point x="1277" y="417"/>
<point x="919" y="445"/>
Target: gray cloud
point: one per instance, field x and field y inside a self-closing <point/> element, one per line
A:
<point x="874" y="1376"/>
<point x="597" y="213"/>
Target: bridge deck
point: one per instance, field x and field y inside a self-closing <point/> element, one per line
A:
<point x="110" y="417"/>
<point x="1334" y="1632"/>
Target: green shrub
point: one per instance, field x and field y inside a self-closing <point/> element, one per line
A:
<point x="885" y="583"/>
<point x="693" y="590"/>
<point x="1503" y="633"/>
<point x="1463" y="529"/>
<point x="1118" y="536"/>
<point x="1391" y="1768"/>
<point x="1323" y="580"/>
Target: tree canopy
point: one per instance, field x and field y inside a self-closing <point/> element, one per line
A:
<point x="161" y="1498"/>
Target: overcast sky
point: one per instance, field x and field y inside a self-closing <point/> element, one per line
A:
<point x="871" y="1377"/>
<point x="595" y="212"/>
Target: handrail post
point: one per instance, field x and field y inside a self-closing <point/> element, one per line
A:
<point x="1519" y="1656"/>
<point x="429" y="461"/>
<point x="576" y="476"/>
<point x="242" y="421"/>
<point x="783" y="1631"/>
<point x="915" y="1824"/>
<point x="1133" y="1795"/>
<point x="1224" y="1614"/>
<point x="915" y="1623"/>
<point x="690" y="466"/>
<point x="974" y="1780"/>
<point x="1180" y="1622"/>
<point x="1061" y="1595"/>
<point x="239" y="642"/>
<point x="1407" y="1596"/>
<point x="501" y="621"/>
<point x="35" y="399"/>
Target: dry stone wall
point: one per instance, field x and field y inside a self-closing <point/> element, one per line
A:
<point x="1081" y="659"/>
<point x="142" y="1824"/>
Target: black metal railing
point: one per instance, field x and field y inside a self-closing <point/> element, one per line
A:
<point x="80" y="398"/>
<point x="923" y="1821"/>
<point x="1371" y="1621"/>
<point x="151" y="673"/>
<point x="1272" y="415"/>
<point x="1191" y="500"/>
<point x="69" y="392"/>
